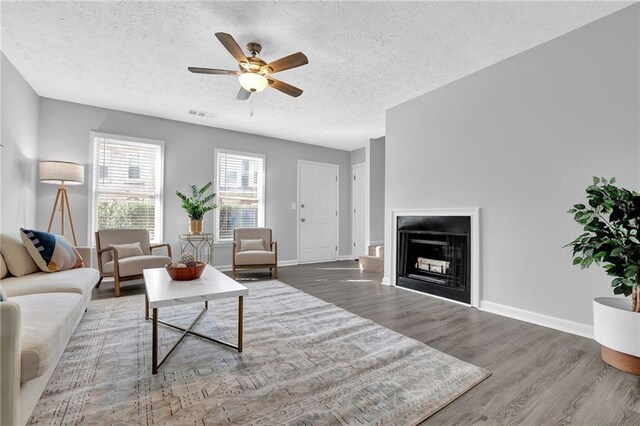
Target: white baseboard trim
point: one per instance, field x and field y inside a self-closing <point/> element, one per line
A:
<point x="281" y="264"/>
<point x="346" y="257"/>
<point x="556" y="323"/>
<point x="386" y="281"/>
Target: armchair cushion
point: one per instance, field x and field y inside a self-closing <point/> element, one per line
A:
<point x="128" y="250"/>
<point x="131" y="266"/>
<point x="109" y="237"/>
<point x="52" y="253"/>
<point x="255" y="257"/>
<point x="15" y="254"/>
<point x="240" y="234"/>
<point x="249" y="245"/>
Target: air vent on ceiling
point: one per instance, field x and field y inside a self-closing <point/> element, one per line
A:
<point x="202" y="114"/>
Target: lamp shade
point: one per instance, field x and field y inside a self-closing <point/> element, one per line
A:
<point x="253" y="82"/>
<point x="59" y="172"/>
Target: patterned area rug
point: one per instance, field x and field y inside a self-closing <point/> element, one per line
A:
<point x="305" y="362"/>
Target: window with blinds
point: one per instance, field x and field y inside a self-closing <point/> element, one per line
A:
<point x="127" y="184"/>
<point x="240" y="192"/>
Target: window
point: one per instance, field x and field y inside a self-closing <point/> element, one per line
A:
<point x="134" y="168"/>
<point x="127" y="184"/>
<point x="240" y="189"/>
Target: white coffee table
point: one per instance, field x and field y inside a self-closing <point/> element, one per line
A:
<point x="161" y="291"/>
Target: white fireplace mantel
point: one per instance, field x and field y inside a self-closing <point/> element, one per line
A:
<point x="474" y="214"/>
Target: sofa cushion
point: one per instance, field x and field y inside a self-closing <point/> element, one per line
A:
<point x="255" y="257"/>
<point x="3" y="268"/>
<point x="134" y="265"/>
<point x="47" y="323"/>
<point x="3" y="295"/>
<point x="81" y="281"/>
<point x="15" y="254"/>
<point x="51" y="252"/>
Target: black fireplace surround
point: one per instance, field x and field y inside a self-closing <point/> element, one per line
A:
<point x="433" y="255"/>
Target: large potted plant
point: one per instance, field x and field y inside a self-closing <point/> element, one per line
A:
<point x="610" y="238"/>
<point x="196" y="206"/>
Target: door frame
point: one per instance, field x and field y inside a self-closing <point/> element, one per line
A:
<point x="298" y="213"/>
<point x="353" y="205"/>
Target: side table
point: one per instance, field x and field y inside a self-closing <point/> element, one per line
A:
<point x="201" y="246"/>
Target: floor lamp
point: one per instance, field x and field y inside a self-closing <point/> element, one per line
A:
<point x="62" y="173"/>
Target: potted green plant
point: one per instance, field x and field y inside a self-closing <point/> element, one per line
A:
<point x="196" y="206"/>
<point x="610" y="238"/>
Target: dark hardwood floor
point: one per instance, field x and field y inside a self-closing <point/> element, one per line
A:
<point x="539" y="376"/>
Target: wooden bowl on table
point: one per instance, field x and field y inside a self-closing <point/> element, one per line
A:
<point x="187" y="273"/>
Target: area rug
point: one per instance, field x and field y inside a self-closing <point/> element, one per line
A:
<point x="305" y="362"/>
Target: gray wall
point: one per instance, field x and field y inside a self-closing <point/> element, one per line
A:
<point x="521" y="140"/>
<point x="358" y="156"/>
<point x="376" y="167"/>
<point x="189" y="158"/>
<point x="18" y="156"/>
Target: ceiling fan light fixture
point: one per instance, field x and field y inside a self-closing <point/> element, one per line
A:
<point x="253" y="82"/>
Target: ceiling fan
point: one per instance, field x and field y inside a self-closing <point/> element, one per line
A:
<point x="255" y="74"/>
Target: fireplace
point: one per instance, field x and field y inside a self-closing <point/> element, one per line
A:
<point x="434" y="255"/>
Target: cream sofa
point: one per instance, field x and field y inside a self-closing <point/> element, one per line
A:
<point x="36" y="323"/>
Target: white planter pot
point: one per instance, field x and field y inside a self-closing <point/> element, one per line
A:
<point x="616" y="326"/>
<point x="617" y="329"/>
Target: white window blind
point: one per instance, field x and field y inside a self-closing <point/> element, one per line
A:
<point x="240" y="192"/>
<point x="127" y="185"/>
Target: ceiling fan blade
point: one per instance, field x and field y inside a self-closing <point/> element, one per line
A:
<point x="286" y="63"/>
<point x="243" y="94"/>
<point x="284" y="87"/>
<point x="230" y="44"/>
<point x="212" y="71"/>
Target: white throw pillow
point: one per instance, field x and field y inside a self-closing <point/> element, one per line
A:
<point x="3" y="268"/>
<point x="252" y="245"/>
<point x="127" y="250"/>
<point x="15" y="254"/>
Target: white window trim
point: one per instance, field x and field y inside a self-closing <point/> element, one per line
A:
<point x="262" y="205"/>
<point x="91" y="221"/>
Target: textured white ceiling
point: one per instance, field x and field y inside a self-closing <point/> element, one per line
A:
<point x="364" y="57"/>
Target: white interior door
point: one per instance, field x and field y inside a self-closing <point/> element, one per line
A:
<point x="358" y="191"/>
<point x="318" y="212"/>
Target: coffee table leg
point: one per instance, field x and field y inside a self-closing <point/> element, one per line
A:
<point x="146" y="306"/>
<point x="154" y="344"/>
<point x="206" y="305"/>
<point x="240" y="321"/>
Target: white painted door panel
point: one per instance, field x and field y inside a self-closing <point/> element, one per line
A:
<point x="318" y="212"/>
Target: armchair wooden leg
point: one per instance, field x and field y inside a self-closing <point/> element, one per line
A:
<point x="116" y="282"/>
<point x="233" y="272"/>
<point x="275" y="270"/>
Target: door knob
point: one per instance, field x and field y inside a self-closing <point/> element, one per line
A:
<point x="302" y="220"/>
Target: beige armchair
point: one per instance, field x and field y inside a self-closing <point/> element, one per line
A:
<point x="254" y="248"/>
<point x="129" y="266"/>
